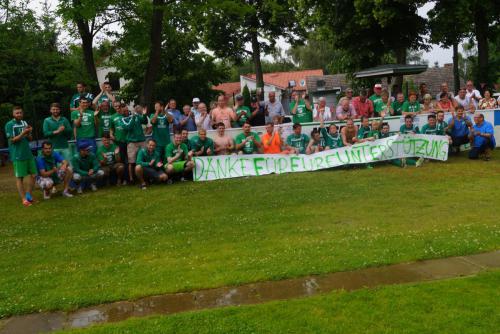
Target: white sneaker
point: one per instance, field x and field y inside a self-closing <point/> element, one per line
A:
<point x="79" y="190"/>
<point x="66" y="193"/>
<point x="93" y="187"/>
<point x="420" y="162"/>
<point x="46" y="194"/>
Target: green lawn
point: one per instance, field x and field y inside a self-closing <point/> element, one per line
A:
<point x="125" y="243"/>
<point x="465" y="305"/>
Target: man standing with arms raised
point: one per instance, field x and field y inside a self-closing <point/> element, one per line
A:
<point x="161" y="130"/>
<point x="301" y="109"/>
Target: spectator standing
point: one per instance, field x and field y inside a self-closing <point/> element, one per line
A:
<point x="222" y="113"/>
<point x="242" y="112"/>
<point x="106" y="94"/>
<point x="56" y="128"/>
<point x="187" y="121"/>
<point x="377" y="93"/>
<point x="382" y="106"/>
<point x="362" y="105"/>
<point x="258" y="112"/>
<point x="412" y="106"/>
<point x="175" y="113"/>
<point x="84" y="122"/>
<point x="397" y="105"/>
<point x="301" y="109"/>
<point x="322" y="111"/>
<point x="465" y="101"/>
<point x="445" y="104"/>
<point x="202" y="120"/>
<point x="160" y="121"/>
<point x="274" y="108"/>
<point x="472" y="94"/>
<point x="135" y="136"/>
<point x="427" y="106"/>
<point x="103" y="119"/>
<point x="195" y="108"/>
<point x="81" y="91"/>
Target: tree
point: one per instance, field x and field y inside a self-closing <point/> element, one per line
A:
<point x="445" y="30"/>
<point x="246" y="96"/>
<point x="229" y="26"/>
<point x="91" y="17"/>
<point x="182" y="71"/>
<point x="368" y="30"/>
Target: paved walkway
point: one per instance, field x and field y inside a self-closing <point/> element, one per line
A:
<point x="254" y="293"/>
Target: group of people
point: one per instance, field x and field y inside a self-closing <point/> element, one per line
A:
<point x="126" y="155"/>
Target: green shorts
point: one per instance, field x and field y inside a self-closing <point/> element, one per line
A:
<point x="24" y="167"/>
<point x="178" y="166"/>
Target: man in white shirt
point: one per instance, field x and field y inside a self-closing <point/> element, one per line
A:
<point x="464" y="100"/>
<point x="321" y="111"/>
<point x="273" y="108"/>
<point x="194" y="108"/>
<point x="472" y="93"/>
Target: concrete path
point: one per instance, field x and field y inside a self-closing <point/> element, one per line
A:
<point x="253" y="293"/>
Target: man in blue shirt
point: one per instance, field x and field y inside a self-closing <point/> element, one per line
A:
<point x="458" y="128"/>
<point x="176" y="115"/>
<point x="482" y="138"/>
<point x="52" y="169"/>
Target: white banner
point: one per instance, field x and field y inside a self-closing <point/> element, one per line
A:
<point x="394" y="147"/>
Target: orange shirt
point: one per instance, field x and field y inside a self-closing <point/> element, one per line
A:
<point x="274" y="147"/>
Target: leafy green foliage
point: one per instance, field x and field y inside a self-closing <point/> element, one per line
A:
<point x="246" y="96"/>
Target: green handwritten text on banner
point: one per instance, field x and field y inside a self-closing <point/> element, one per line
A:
<point x="395" y="147"/>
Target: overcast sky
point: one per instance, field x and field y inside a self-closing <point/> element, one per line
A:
<point x="442" y="56"/>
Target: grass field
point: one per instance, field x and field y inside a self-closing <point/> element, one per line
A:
<point x="465" y="305"/>
<point x="125" y="243"/>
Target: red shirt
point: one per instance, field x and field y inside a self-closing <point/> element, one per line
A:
<point x="363" y="108"/>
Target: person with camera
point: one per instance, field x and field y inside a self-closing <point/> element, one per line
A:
<point x="301" y="109"/>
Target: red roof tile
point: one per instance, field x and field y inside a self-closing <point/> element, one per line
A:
<point x="229" y="88"/>
<point x="281" y="79"/>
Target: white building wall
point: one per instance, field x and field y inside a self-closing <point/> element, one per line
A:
<point x="252" y="85"/>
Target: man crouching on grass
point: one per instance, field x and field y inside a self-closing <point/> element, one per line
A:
<point x="52" y="169"/>
<point x="178" y="158"/>
<point x="19" y="134"/>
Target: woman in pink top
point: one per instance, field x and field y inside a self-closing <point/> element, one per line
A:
<point x="445" y="104"/>
<point x="222" y="113"/>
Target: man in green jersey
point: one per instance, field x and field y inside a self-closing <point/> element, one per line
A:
<point x="430" y="128"/>
<point x="315" y="144"/>
<point x="248" y="142"/>
<point x="104" y="118"/>
<point x="412" y="106"/>
<point x="118" y="135"/>
<point x="331" y="138"/>
<point x="160" y="121"/>
<point x="18" y="134"/>
<point x="84" y="125"/>
<point x="441" y="123"/>
<point x="383" y="106"/>
<point x="364" y="130"/>
<point x="106" y="94"/>
<point x="56" y="128"/>
<point x="410" y="128"/>
<point x="297" y="141"/>
<point x="397" y="105"/>
<point x="149" y="165"/>
<point x="202" y="146"/>
<point x="52" y="169"/>
<point x="135" y="136"/>
<point x="242" y="112"/>
<point x="377" y="92"/>
<point x="185" y="139"/>
<point x="86" y="168"/>
<point x="108" y="155"/>
<point x="81" y="91"/>
<point x="301" y="109"/>
<point x="178" y="157"/>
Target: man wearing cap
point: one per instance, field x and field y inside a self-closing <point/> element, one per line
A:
<point x="52" y="169"/>
<point x="248" y="142"/>
<point x="84" y="122"/>
<point x="363" y="105"/>
<point x="297" y="142"/>
<point x="242" y="112"/>
<point x="301" y="109"/>
<point x="322" y="111"/>
<point x="377" y="91"/>
<point x="194" y="109"/>
<point x="86" y="168"/>
<point x="258" y="114"/>
<point x="274" y="108"/>
<point x="482" y="138"/>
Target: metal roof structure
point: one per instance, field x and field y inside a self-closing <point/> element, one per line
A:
<point x="390" y="70"/>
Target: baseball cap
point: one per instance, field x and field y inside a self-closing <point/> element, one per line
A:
<point x="196" y="100"/>
<point x="84" y="146"/>
<point x="378" y="86"/>
<point x="239" y="97"/>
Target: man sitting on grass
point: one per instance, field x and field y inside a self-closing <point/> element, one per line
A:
<point x="178" y="158"/>
<point x="297" y="141"/>
<point x="52" y="170"/>
<point x="18" y="134"/>
<point x="86" y="168"/>
<point x="482" y="138"/>
<point x="149" y="165"/>
<point x="248" y="142"/>
<point x="201" y="144"/>
<point x="108" y="155"/>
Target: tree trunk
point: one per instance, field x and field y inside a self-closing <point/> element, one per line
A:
<point x="154" y="53"/>
<point x="481" y="30"/>
<point x="259" y="76"/>
<point x="456" y="74"/>
<point x="87" y="46"/>
<point x="400" y="59"/>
